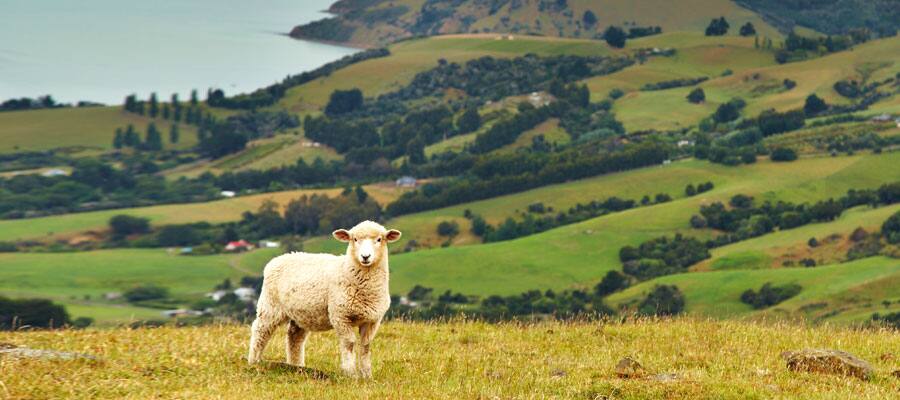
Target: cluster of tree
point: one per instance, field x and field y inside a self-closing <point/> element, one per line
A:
<point x="33" y="313"/>
<point x="506" y="132"/>
<point x="305" y="215"/>
<point x="717" y="27"/>
<point x="744" y="220"/>
<point x="830" y="17"/>
<point x="664" y="300"/>
<point x="662" y="256"/>
<point x="850" y="143"/>
<point x="94" y="185"/>
<point x="696" y="96"/>
<point x="641" y="31"/>
<point x="504" y="174"/>
<point x="797" y="47"/>
<point x="770" y="295"/>
<point x="691" y="189"/>
<point x="891" y="227"/>
<point x="748" y="29"/>
<point x="490" y="78"/>
<point x="26" y="103"/>
<point x="889" y="319"/>
<point x="174" y="110"/>
<point x="529" y="224"/>
<point x="674" y="83"/>
<point x="269" y="95"/>
<point x="32" y="159"/>
<point x="615" y="36"/>
<point x="218" y="138"/>
<point x="153" y="140"/>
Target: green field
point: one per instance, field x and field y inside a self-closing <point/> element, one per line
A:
<point x="69" y="277"/>
<point x="90" y="127"/>
<point x="718" y="293"/>
<point x="216" y="211"/>
<point x="458" y="360"/>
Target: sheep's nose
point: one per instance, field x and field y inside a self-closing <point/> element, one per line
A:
<point x="365" y="257"/>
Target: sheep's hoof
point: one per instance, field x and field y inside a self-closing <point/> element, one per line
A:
<point x="365" y="374"/>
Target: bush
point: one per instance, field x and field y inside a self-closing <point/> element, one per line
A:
<point x="814" y="105"/>
<point x="146" y="292"/>
<point x="783" y="154"/>
<point x="891" y="228"/>
<point x="696" y="96"/>
<point x="615" y="36"/>
<point x="616" y="93"/>
<point x="35" y="313"/>
<point x="124" y="225"/>
<point x="344" y="101"/>
<point x="769" y="295"/>
<point x="612" y="282"/>
<point x="8" y="247"/>
<point x="448" y="228"/>
<point x="663" y="300"/>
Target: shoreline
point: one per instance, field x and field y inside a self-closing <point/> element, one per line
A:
<point x="349" y="45"/>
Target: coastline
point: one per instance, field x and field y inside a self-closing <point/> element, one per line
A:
<point x="349" y="45"/>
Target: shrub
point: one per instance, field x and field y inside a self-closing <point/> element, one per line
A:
<point x="36" y="313"/>
<point x="612" y="282"/>
<point x="814" y="105"/>
<point x="769" y="295"/>
<point x="783" y="154"/>
<point x="663" y="300"/>
<point x="344" y="101"/>
<point x="789" y="84"/>
<point x="616" y="93"/>
<point x="124" y="225"/>
<point x="696" y="96"/>
<point x="448" y="228"/>
<point x="8" y="247"/>
<point x="146" y="292"/>
<point x="891" y="228"/>
<point x="615" y="37"/>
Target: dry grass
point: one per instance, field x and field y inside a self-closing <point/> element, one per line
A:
<point x="455" y="360"/>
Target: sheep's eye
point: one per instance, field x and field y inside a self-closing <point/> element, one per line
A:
<point x="379" y="240"/>
<point x="354" y="240"/>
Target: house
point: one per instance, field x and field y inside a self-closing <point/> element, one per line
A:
<point x="181" y="313"/>
<point x="227" y="193"/>
<point x="407" y="302"/>
<point x="186" y="250"/>
<point x="406" y="181"/>
<point x="238" y="245"/>
<point x="112" y="296"/>
<point x="268" y="244"/>
<point x="217" y="295"/>
<point x="882" y="118"/>
<point x="55" y="172"/>
<point x="245" y="294"/>
<point x="683" y="143"/>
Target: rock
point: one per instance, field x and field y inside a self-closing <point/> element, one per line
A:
<point x="24" y="352"/>
<point x="629" y="368"/>
<point x="828" y="362"/>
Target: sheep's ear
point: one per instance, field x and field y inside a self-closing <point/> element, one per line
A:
<point x="392" y="235"/>
<point x="341" y="235"/>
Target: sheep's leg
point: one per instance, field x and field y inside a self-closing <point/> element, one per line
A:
<point x="347" y="339"/>
<point x="366" y="335"/>
<point x="261" y="331"/>
<point x="296" y="344"/>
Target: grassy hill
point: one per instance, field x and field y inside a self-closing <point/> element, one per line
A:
<point x="377" y="22"/>
<point x="216" y="211"/>
<point x="89" y="127"/>
<point x="723" y="360"/>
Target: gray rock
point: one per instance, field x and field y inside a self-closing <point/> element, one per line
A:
<point x="24" y="352"/>
<point x="629" y="368"/>
<point x="828" y="361"/>
<point x="670" y="377"/>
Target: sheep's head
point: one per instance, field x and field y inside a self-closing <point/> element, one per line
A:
<point x="367" y="242"/>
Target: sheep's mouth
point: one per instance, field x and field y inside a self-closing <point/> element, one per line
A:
<point x="366" y="263"/>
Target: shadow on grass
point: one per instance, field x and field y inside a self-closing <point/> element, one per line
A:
<point x="285" y="368"/>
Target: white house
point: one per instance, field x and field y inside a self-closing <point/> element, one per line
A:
<point x="55" y="172"/>
<point x="268" y="244"/>
<point x="245" y="294"/>
<point x="406" y="181"/>
<point x="181" y="313"/>
<point x="227" y="193"/>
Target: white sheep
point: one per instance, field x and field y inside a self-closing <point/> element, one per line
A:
<point x="318" y="292"/>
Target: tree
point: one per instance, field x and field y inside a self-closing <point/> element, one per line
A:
<point x="153" y="140"/>
<point x="589" y="18"/>
<point x="749" y="30"/>
<point x="194" y="99"/>
<point x="717" y="27"/>
<point x="469" y="121"/>
<point x="891" y="229"/>
<point x="34" y="313"/>
<point x="696" y="96"/>
<point x="131" y="137"/>
<point x="124" y="225"/>
<point x="146" y="292"/>
<point x="344" y="101"/>
<point x="663" y="300"/>
<point x="814" y="105"/>
<point x="173" y="134"/>
<point x="615" y="36"/>
<point x="154" y="105"/>
<point x="119" y="139"/>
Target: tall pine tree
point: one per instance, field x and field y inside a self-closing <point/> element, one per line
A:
<point x="153" y="140"/>
<point x="173" y="134"/>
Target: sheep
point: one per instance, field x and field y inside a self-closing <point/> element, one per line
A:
<point x="319" y="292"/>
